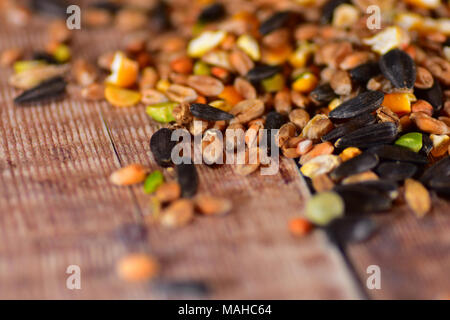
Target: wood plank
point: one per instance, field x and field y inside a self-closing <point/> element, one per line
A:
<point x="413" y="254"/>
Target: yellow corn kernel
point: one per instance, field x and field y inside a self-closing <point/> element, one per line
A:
<point x="250" y="46"/>
<point x="428" y="4"/>
<point x="162" y="85"/>
<point x="205" y="42"/>
<point x="299" y="58"/>
<point x="334" y="103"/>
<point x="349" y="153"/>
<point x="345" y="15"/>
<point x="305" y="83"/>
<point x="389" y="38"/>
<point x="221" y="104"/>
<point x="409" y="20"/>
<point x="276" y="56"/>
<point x="400" y="103"/>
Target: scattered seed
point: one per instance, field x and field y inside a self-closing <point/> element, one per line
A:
<point x="299" y="117"/>
<point x="300" y="227"/>
<point x="260" y="73"/>
<point x="50" y="89"/>
<point x="363" y="73"/>
<point x="137" y="267"/>
<point x="320" y="165"/>
<point x="433" y="96"/>
<point x="364" y="103"/>
<point x="206" y="85"/>
<point x="398" y="153"/>
<point x="424" y="79"/>
<point x="317" y="127"/>
<point x="274" y="22"/>
<point x="322" y="183"/>
<point x="323" y="93"/>
<point x="361" y="200"/>
<point x="168" y="192"/>
<point x="188" y="179"/>
<point x="129" y="175"/>
<point x="428" y="124"/>
<point x="152" y="96"/>
<point x="178" y="214"/>
<point x="417" y="197"/>
<point x="351" y="230"/>
<point x="161" y="146"/>
<point x="399" y="68"/>
<point x="247" y="110"/>
<point x="412" y="141"/>
<point x="209" y="205"/>
<point x="324" y="207"/>
<point x="349" y="126"/>
<point x="396" y="171"/>
<point x="153" y="181"/>
<point x="371" y="135"/>
<point x="206" y="112"/>
<point x="364" y="162"/>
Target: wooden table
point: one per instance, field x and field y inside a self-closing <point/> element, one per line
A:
<point x="57" y="209"/>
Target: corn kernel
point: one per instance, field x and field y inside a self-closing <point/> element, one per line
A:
<point x="276" y="56"/>
<point x="205" y="42"/>
<point x="230" y="95"/>
<point x="273" y="84"/>
<point x="334" y="103"/>
<point x="409" y="21"/>
<point x="221" y="104"/>
<point x="345" y="15"/>
<point x="349" y="153"/>
<point x="250" y="46"/>
<point x="299" y="58"/>
<point x="389" y="38"/>
<point x="400" y="103"/>
<point x="305" y="83"/>
<point x="162" y="85"/>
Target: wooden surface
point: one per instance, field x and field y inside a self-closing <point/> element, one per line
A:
<point x="58" y="209"/>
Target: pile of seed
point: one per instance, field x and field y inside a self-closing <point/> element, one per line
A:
<point x="365" y="111"/>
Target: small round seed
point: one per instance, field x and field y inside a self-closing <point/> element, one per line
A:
<point x="324" y="207"/>
<point x="137" y="267"/>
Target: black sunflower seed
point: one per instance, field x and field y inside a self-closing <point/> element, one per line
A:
<point x="432" y="95"/>
<point x="45" y="91"/>
<point x="328" y="10"/>
<point x="206" y="112"/>
<point x="350" y="230"/>
<point x="274" y="22"/>
<point x="363" y="103"/>
<point x="211" y="13"/>
<point x="440" y="182"/>
<point x="364" y="72"/>
<point x="364" y="162"/>
<point x="274" y="121"/>
<point x="396" y="171"/>
<point x="188" y="179"/>
<point x="349" y="126"/>
<point x="323" y="93"/>
<point x="427" y="145"/>
<point x="161" y="146"/>
<point x="387" y="187"/>
<point x="260" y="73"/>
<point x="368" y="136"/>
<point x="186" y="288"/>
<point x="398" y="153"/>
<point x="50" y="7"/>
<point x="399" y="68"/>
<point x="439" y="169"/>
<point x="363" y="200"/>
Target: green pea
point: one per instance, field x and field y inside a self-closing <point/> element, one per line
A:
<point x="153" y="181"/>
<point x="274" y="83"/>
<point x="324" y="207"/>
<point x="201" y="69"/>
<point x="162" y="112"/>
<point x="412" y="141"/>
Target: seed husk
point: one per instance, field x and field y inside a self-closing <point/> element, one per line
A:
<point x="274" y="22"/>
<point x="161" y="146"/>
<point x="368" y="136"/>
<point x="399" y="68"/>
<point x="349" y="126"/>
<point x="364" y="162"/>
<point x="206" y="112"/>
<point x="396" y="171"/>
<point x="260" y="73"/>
<point x="324" y="207"/>
<point x="188" y="179"/>
<point x="45" y="91"/>
<point x="363" y="73"/>
<point x="363" y="103"/>
<point x="398" y="153"/>
<point x="417" y="197"/>
<point x="361" y="200"/>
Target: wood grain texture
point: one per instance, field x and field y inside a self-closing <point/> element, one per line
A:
<point x="59" y="209"/>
